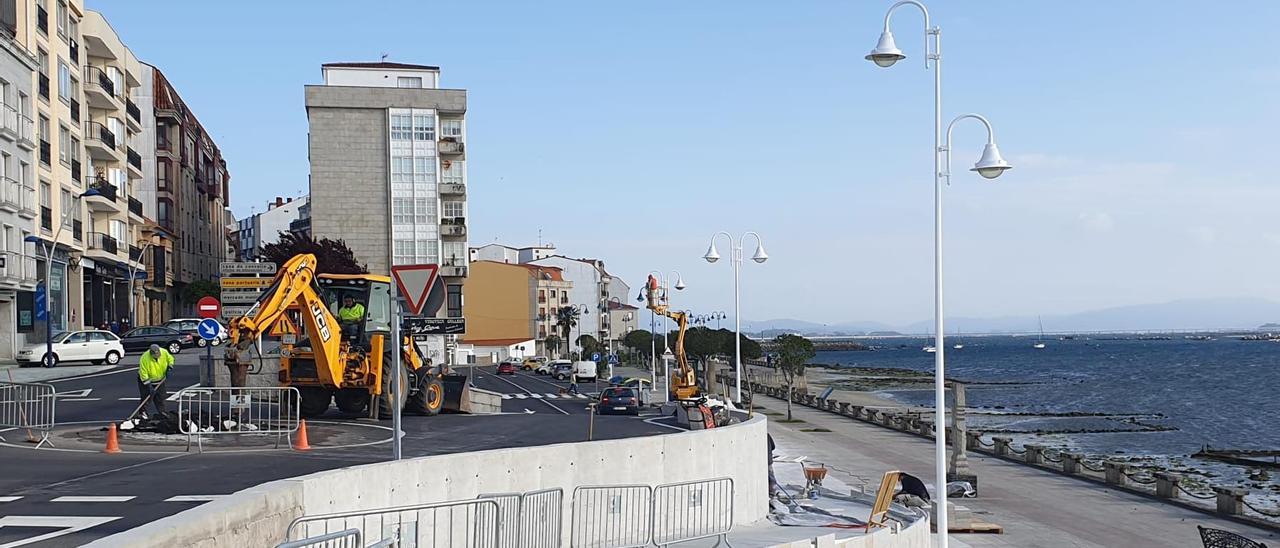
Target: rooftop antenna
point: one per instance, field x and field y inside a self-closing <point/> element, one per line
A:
<point x="539" y="236"/>
<point x="384" y="57"/>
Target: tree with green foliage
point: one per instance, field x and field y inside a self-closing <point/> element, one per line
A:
<point x="566" y="318"/>
<point x="589" y="345"/>
<point x="794" y="352"/>
<point x="552" y="343"/>
<point x="199" y="289"/>
<point x="332" y="256"/>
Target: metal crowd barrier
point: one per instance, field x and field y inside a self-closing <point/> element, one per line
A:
<point x="462" y="524"/>
<point x="28" y="407"/>
<point x="693" y="510"/>
<point x="508" y="517"/>
<point x="348" y="538"/>
<point x="541" y="518"/>
<point x="209" y="411"/>
<point x="613" y="516"/>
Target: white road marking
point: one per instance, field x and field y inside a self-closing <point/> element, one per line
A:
<point x="538" y="396"/>
<point x="522" y="396"/>
<point x="9" y="499"/>
<point x="507" y="396"/>
<point x="193" y="498"/>
<point x="174" y="396"/>
<point x="130" y="399"/>
<point x="68" y="524"/>
<point x="79" y="399"/>
<point x="551" y="396"/>
<point x="549" y="404"/>
<point x="82" y="393"/>
<point x="662" y="424"/>
<point x="583" y="396"/>
<point x="91" y="375"/>
<point x="123" y="498"/>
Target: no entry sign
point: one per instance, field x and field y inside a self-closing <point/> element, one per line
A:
<point x="208" y="307"/>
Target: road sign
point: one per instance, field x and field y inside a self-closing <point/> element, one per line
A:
<point x="595" y="356"/>
<point x="246" y="268"/>
<point x="209" y="329"/>
<point x="247" y="282"/>
<point x="613" y="358"/>
<point x="414" y="282"/>
<point x="241" y="401"/>
<point x="434" y="326"/>
<point x="208" y="307"/>
<point x="235" y="311"/>
<point x="240" y="297"/>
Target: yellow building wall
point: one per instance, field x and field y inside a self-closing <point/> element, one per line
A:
<point x="497" y="302"/>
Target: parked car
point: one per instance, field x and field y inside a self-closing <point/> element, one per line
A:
<point x="562" y="370"/>
<point x="93" y="345"/>
<point x="618" y="400"/>
<point x="585" y="371"/>
<point x="533" y="363"/>
<point x="506" y="368"/>
<point x="192" y="326"/>
<point x="139" y="339"/>
<point x="549" y="367"/>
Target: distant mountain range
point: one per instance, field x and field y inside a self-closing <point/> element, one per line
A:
<point x="1187" y="314"/>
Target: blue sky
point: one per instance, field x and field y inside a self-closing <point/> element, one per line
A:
<point x="1139" y="132"/>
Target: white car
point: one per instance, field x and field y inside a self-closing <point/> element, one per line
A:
<point x="548" y="367"/>
<point x="93" y="345"/>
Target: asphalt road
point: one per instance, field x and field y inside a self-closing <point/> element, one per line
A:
<point x="59" y="497"/>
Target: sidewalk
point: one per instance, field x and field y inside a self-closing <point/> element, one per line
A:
<point x="1036" y="508"/>
<point x="10" y="372"/>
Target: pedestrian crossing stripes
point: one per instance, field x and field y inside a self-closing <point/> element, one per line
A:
<point x="547" y="396"/>
<point x="109" y="498"/>
<point x="124" y="498"/>
<point x="9" y="499"/>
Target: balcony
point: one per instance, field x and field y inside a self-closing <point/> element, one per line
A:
<point x="134" y="118"/>
<point x="135" y="253"/>
<point x="28" y="210"/>
<point x="453" y="231"/>
<point x="102" y="245"/>
<point x="99" y="90"/>
<point x="18" y="269"/>
<point x="10" y="195"/>
<point x="101" y="196"/>
<point x="42" y="84"/>
<point x="449" y="145"/>
<point x="9" y="124"/>
<point x="100" y="141"/>
<point x="454" y="268"/>
<point x="42" y="19"/>
<point x="453" y="189"/>
<point x="135" y="206"/>
<point x="46" y="153"/>
<point x="75" y="51"/>
<point x="26" y="132"/>
<point x="75" y="111"/>
<point x="135" y="160"/>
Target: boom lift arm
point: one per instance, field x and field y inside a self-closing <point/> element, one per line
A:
<point x="685" y="385"/>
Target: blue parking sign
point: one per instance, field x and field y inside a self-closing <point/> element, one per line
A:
<point x="595" y="356"/>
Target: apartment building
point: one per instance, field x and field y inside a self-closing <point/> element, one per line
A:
<point x="511" y="305"/>
<point x="186" y="184"/>
<point x="17" y="191"/>
<point x="388" y="170"/>
<point x="589" y="292"/>
<point x="260" y="229"/>
<point x="513" y="255"/>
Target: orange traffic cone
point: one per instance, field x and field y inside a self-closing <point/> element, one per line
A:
<point x="301" y="444"/>
<point x="113" y="445"/>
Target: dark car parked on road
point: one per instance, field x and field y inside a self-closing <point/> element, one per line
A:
<point x="618" y="400"/>
<point x="139" y="339"/>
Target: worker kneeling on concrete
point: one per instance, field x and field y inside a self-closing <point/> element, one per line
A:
<point x="153" y="369"/>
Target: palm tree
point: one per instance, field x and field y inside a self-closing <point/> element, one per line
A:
<point x="567" y="318"/>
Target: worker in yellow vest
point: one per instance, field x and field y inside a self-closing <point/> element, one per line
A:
<point x="350" y="315"/>
<point x="153" y="370"/>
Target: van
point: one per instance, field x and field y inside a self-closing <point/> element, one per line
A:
<point x="585" y="371"/>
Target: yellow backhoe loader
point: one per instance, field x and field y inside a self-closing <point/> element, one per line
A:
<point x="349" y="365"/>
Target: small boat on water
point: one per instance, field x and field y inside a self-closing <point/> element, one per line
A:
<point x="958" y="346"/>
<point x="1039" y="345"/>
<point x="930" y="349"/>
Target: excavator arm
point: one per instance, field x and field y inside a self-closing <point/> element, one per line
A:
<point x="294" y="285"/>
<point x="685" y="385"/>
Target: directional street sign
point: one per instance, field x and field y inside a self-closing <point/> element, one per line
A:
<point x="208" y="307"/>
<point x="434" y="326"/>
<point x="252" y="283"/>
<point x="240" y="297"/>
<point x="231" y="312"/>
<point x="613" y="358"/>
<point x="246" y="268"/>
<point x="209" y="329"/>
<point x="414" y="282"/>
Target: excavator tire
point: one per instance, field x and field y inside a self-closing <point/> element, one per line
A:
<point x="429" y="398"/>
<point x="315" y="400"/>
<point x="385" y="403"/>
<point x="352" y="400"/>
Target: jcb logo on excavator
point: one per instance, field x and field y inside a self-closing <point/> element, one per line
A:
<point x="318" y="313"/>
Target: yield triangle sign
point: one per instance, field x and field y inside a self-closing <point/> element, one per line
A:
<point x="414" y="282"/>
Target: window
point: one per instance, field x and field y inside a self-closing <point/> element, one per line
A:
<point x="455" y="253"/>
<point x="23" y="168"/>
<point x="401" y="127"/>
<point x="401" y="210"/>
<point x="62" y="18"/>
<point x="425" y="211"/>
<point x="542" y="296"/>
<point x="424" y="127"/>
<point x="75" y="153"/>
<point x="453" y="294"/>
<point x="119" y="230"/>
<point x="42" y="59"/>
<point x="553" y="293"/>
<point x="113" y="74"/>
<point x="162" y="174"/>
<point x="117" y="128"/>
<point x="409" y="82"/>
<point x="64" y="81"/>
<point x="451" y="128"/>
<point x="453" y="209"/>
<point x="64" y="144"/>
<point x="43" y="130"/>
<point x="162" y="136"/>
<point x="45" y="194"/>
<point x="452" y="171"/>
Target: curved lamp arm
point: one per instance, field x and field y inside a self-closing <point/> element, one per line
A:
<point x="927" y="29"/>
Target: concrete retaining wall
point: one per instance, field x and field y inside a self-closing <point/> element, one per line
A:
<point x="485" y="402"/>
<point x="914" y="536"/>
<point x="259" y="516"/>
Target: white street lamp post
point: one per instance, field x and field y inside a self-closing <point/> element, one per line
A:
<point x="990" y="166"/>
<point x="735" y="257"/>
<point x="133" y="273"/>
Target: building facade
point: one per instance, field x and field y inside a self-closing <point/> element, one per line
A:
<point x="191" y="186"/>
<point x="516" y="302"/>
<point x="590" y="294"/>
<point x="388" y="170"/>
<point x="17" y="191"/>
<point x="513" y="255"/>
<point x="259" y="229"/>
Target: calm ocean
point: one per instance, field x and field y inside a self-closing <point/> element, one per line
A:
<point x="1222" y="392"/>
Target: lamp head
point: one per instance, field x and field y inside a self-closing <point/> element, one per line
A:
<point x="712" y="255"/>
<point x="760" y="255"/>
<point x="991" y="165"/>
<point x="680" y="284"/>
<point x="886" y="52"/>
<point x="31" y="239"/>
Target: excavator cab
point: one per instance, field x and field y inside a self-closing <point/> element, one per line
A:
<point x="374" y="292"/>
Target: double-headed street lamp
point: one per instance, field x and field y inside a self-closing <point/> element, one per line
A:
<point x="735" y="257"/>
<point x="665" y="296"/>
<point x="990" y="166"/>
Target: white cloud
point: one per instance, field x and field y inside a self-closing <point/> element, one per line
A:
<point x="1097" y="221"/>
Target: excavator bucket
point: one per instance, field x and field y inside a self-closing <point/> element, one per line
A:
<point x="457" y="393"/>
